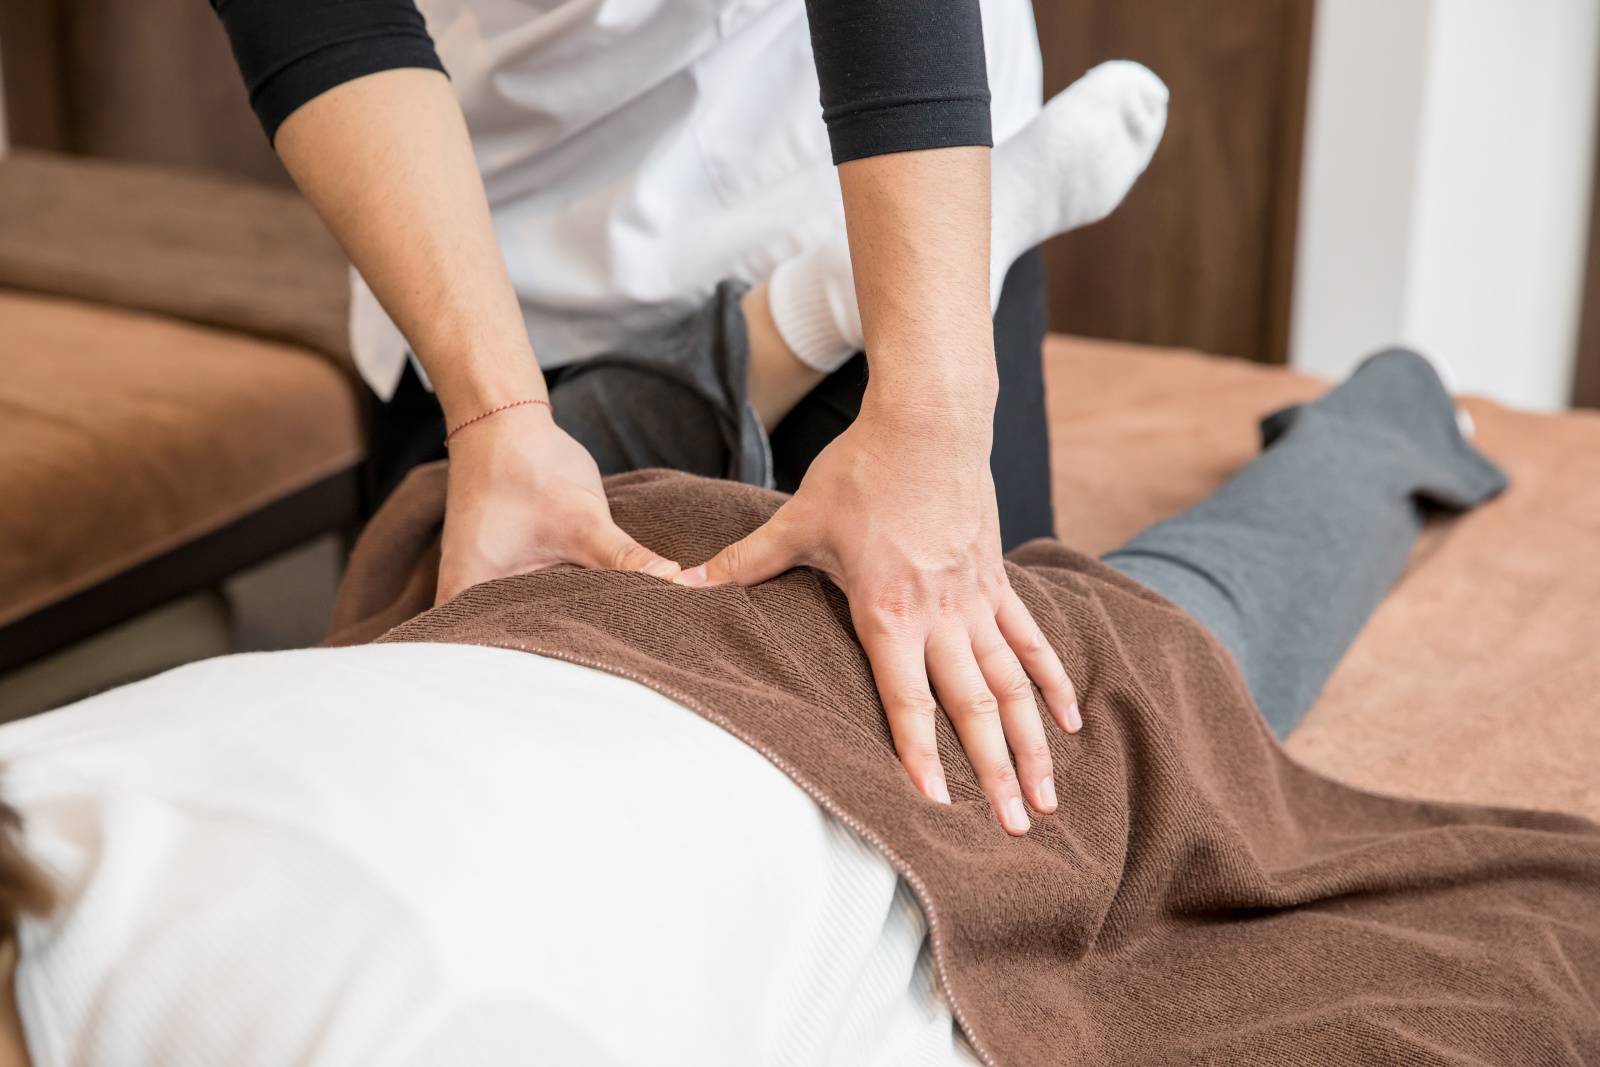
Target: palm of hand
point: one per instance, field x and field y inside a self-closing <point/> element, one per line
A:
<point x="523" y="496"/>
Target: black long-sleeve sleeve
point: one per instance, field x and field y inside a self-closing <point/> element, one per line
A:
<point x="291" y="51"/>
<point x="896" y="75"/>
<point x="900" y="75"/>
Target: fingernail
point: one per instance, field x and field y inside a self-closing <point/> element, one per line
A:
<point x="1016" y="816"/>
<point x="1074" y="718"/>
<point x="1047" y="792"/>
<point x="694" y="577"/>
<point x="661" y="568"/>
<point x="941" y="792"/>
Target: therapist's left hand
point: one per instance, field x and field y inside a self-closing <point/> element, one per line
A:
<point x="899" y="511"/>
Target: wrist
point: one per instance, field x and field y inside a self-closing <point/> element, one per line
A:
<point x="537" y="408"/>
<point x="462" y="406"/>
<point x="953" y="366"/>
<point x="470" y="384"/>
<point x="956" y="420"/>
<point x="958" y="399"/>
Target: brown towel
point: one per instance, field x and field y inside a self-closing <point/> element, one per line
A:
<point x="1198" y="897"/>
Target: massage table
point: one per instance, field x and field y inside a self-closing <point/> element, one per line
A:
<point x="179" y="404"/>
<point x="1478" y="680"/>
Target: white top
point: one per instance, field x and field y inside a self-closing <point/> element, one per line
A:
<point x="638" y="152"/>
<point x="433" y="854"/>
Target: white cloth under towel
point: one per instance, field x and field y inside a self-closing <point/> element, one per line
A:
<point x="430" y="854"/>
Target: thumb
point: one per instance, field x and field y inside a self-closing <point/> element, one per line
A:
<point x="612" y="549"/>
<point x="767" y="552"/>
<point x="448" y="585"/>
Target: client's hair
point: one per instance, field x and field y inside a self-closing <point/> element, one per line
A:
<point x="24" y="889"/>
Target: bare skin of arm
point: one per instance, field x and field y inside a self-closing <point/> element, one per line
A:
<point x="900" y="510"/>
<point x="387" y="163"/>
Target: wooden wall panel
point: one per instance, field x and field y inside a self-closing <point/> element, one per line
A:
<point x="151" y="81"/>
<point x="1202" y="253"/>
<point x="31" y="64"/>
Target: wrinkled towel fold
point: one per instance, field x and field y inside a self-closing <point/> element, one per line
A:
<point x="1198" y="897"/>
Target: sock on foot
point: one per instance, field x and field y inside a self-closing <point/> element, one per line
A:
<point x="1075" y="162"/>
<point x="1070" y="166"/>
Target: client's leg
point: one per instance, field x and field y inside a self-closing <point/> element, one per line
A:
<point x="676" y="398"/>
<point x="702" y="396"/>
<point x="1069" y="167"/>
<point x="1286" y="561"/>
<point x="1020" y="458"/>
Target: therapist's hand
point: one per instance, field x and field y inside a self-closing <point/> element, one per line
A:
<point x="524" y="495"/>
<point x="386" y="161"/>
<point x="900" y="512"/>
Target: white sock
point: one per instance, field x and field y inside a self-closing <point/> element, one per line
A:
<point x="1070" y="166"/>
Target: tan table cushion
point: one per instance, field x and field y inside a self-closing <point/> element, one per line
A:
<point x="126" y="434"/>
<point x="1479" y="677"/>
<point x="199" y="247"/>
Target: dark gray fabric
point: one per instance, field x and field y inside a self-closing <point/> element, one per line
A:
<point x="895" y="75"/>
<point x="291" y="51"/>
<point x="675" y="398"/>
<point x="1020" y="460"/>
<point x="1285" y="563"/>
<point x="900" y="75"/>
<point x="678" y="413"/>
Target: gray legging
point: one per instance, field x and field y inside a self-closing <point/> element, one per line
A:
<point x="1285" y="562"/>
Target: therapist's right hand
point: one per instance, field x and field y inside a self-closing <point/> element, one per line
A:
<point x="523" y="495"/>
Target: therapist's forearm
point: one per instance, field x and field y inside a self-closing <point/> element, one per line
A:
<point x="386" y="161"/>
<point x="919" y="241"/>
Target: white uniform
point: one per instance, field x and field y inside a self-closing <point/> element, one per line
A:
<point x="638" y="152"/>
<point x="444" y="855"/>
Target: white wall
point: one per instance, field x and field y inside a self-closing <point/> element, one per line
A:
<point x="1450" y="146"/>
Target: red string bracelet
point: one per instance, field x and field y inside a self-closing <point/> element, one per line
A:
<point x="493" y="411"/>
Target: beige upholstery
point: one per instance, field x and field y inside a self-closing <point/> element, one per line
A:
<point x="201" y="248"/>
<point x="129" y="434"/>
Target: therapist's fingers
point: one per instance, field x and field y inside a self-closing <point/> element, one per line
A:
<point x="451" y="581"/>
<point x="897" y="657"/>
<point x="1019" y="715"/>
<point x="975" y="713"/>
<point x="766" y="553"/>
<point x="608" y="547"/>
<point x="1039" y="659"/>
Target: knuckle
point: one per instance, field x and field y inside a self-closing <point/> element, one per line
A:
<point x="1015" y="686"/>
<point x="628" y="555"/>
<point x="999" y="779"/>
<point x="893" y="603"/>
<point x="732" y="559"/>
<point x="1032" y="643"/>
<point x="980" y="707"/>
<point x="889" y="612"/>
<point x="995" y="584"/>
<point x="1034" y="751"/>
<point x="920" y="705"/>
